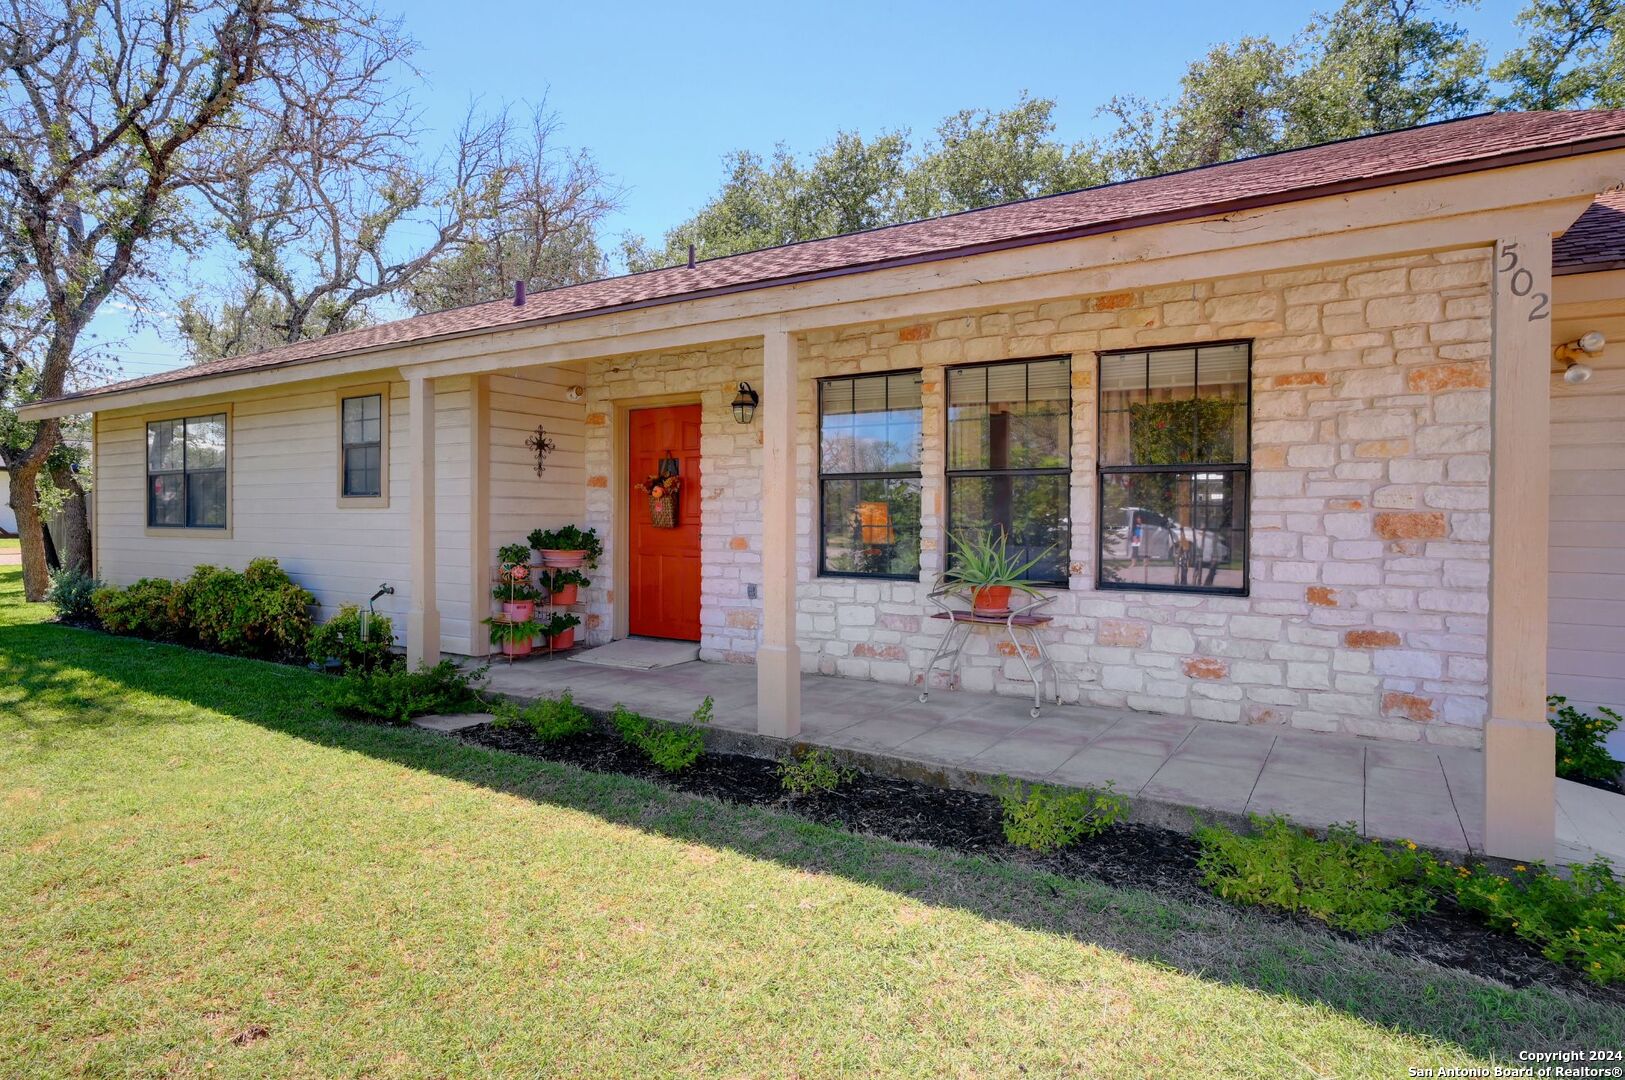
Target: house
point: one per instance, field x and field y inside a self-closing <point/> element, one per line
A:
<point x="1281" y="433"/>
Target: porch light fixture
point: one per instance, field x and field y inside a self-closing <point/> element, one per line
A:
<point x="745" y="403"/>
<point x="1574" y="354"/>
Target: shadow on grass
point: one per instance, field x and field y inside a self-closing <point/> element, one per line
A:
<point x="106" y="681"/>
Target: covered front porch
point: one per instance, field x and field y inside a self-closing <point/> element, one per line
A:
<point x="1165" y="765"/>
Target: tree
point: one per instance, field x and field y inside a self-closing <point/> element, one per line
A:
<point x="978" y="158"/>
<point x="1573" y="57"/>
<point x="536" y="220"/>
<point x="105" y="107"/>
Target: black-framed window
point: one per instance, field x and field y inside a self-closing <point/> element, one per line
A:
<point x="1174" y="468"/>
<point x="1009" y="459"/>
<point x="869" y="442"/>
<point x="186" y="473"/>
<point x="363" y="446"/>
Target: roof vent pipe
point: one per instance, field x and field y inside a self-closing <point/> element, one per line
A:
<point x="519" y="293"/>
<point x="691" y="256"/>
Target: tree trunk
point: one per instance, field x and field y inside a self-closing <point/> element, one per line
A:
<point x="74" y="551"/>
<point x="25" y="504"/>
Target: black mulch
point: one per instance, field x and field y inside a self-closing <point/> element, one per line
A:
<point x="1146" y="857"/>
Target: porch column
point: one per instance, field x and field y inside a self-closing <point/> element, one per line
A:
<point x="778" y="660"/>
<point x="423" y="617"/>
<point x="1520" y="816"/>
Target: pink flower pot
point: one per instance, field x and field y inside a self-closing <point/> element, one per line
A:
<point x="519" y="610"/>
<point x="563" y="641"/>
<point x="565" y="594"/>
<point x="517" y="648"/>
<point x="560" y="559"/>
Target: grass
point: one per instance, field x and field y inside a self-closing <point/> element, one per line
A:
<point x="10" y="543"/>
<point x="203" y="870"/>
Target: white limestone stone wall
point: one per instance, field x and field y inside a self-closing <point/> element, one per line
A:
<point x="1369" y="523"/>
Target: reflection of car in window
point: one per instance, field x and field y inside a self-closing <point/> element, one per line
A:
<point x="1137" y="533"/>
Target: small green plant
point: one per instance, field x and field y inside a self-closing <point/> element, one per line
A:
<point x="513" y="555"/>
<point x="554" y="719"/>
<point x="564" y="578"/>
<point x="569" y="538"/>
<point x="71" y="593"/>
<point x="670" y="748"/>
<point x="1045" y="817"/>
<point x="149" y="608"/>
<point x="812" y="772"/>
<point x="507" y="632"/>
<point x="1582" y="753"/>
<point x="560" y="621"/>
<point x="983" y="562"/>
<point x="340" y="641"/>
<point x="1578" y="920"/>
<point x="1345" y="881"/>
<point x="395" y="695"/>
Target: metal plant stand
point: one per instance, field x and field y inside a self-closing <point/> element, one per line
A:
<point x="961" y="621"/>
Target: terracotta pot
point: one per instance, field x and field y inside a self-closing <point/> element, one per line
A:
<point x="990" y="599"/>
<point x="519" y="610"/>
<point x="563" y="641"/>
<point x="564" y="594"/>
<point x="516" y="648"/>
<point x="560" y="559"/>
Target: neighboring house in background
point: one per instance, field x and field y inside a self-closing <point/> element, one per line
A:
<point x="8" y="518"/>
<point x="1282" y="425"/>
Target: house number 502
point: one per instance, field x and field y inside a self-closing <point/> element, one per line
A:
<point x="1522" y="282"/>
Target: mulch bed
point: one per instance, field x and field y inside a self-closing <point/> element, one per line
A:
<point x="1127" y="855"/>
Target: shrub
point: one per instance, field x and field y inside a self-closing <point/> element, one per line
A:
<point x="670" y="748"/>
<point x="71" y="593"/>
<point x="812" y="771"/>
<point x="260" y="612"/>
<point x="340" y="639"/>
<point x="1581" y="753"/>
<point x="150" y="608"/>
<point x="569" y="538"/>
<point x="552" y="719"/>
<point x="1579" y="920"/>
<point x="1045" y="817"/>
<point x="1347" y="882"/>
<point x="395" y="695"/>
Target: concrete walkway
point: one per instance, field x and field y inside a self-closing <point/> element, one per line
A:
<point x="1432" y="795"/>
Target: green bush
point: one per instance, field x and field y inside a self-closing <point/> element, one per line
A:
<point x="339" y="639"/>
<point x="1044" y="817"/>
<point x="395" y="695"/>
<point x="150" y="608"/>
<point x="552" y="719"/>
<point x="1581" y="750"/>
<point x="1578" y="920"/>
<point x="670" y="748"/>
<point x="812" y="771"/>
<point x="1347" y="882"/>
<point x="71" y="593"/>
<point x="260" y="612"/>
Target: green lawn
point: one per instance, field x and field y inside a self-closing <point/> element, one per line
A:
<point x="191" y="847"/>
<point x="10" y="543"/>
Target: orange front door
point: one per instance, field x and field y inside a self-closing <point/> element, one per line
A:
<point x="664" y="564"/>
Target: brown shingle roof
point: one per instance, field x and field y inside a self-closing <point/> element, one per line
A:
<point x="1456" y="146"/>
<point x="1596" y="241"/>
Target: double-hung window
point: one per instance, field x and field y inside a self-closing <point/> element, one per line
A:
<point x="362" y="448"/>
<point x="1174" y="468"/>
<point x="869" y="432"/>
<point x="186" y="473"/>
<point x="1009" y="459"/>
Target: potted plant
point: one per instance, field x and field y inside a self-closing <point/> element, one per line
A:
<point x="516" y="588"/>
<point x="514" y="636"/>
<point x="567" y="548"/>
<point x="560" y="629"/>
<point x="564" y="584"/>
<point x="987" y="569"/>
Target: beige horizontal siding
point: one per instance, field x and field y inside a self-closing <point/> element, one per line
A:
<point x="1586" y="646"/>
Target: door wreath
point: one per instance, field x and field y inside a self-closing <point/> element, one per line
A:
<point x="662" y="489"/>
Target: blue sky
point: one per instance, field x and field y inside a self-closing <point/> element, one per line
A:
<point x="661" y="91"/>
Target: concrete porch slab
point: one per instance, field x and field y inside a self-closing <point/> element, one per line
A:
<point x="1167" y="766"/>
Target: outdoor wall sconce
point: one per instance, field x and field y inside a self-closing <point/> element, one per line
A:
<point x="1575" y="353"/>
<point x="745" y="403"/>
